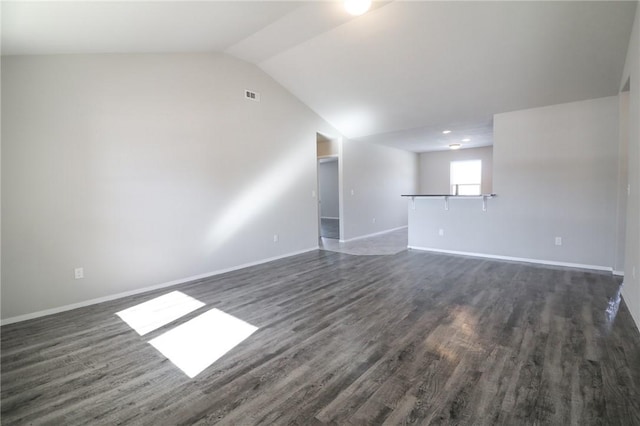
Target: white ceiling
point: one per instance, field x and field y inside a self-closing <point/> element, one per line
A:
<point x="49" y="27"/>
<point x="397" y="75"/>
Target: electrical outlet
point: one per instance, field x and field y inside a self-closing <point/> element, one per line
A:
<point x="313" y="194"/>
<point x="79" y="273"/>
<point x="275" y="238"/>
<point x="373" y="220"/>
<point x="558" y="241"/>
<point x="441" y="232"/>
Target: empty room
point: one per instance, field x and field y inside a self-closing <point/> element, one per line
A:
<point x="320" y="212"/>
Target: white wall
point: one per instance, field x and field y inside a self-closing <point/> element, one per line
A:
<point x="623" y="172"/>
<point x="328" y="189"/>
<point x="555" y="174"/>
<point x="435" y="173"/>
<point x="631" y="290"/>
<point x="145" y="169"/>
<point x="374" y="178"/>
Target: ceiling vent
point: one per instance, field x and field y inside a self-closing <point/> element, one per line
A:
<point x="252" y="96"/>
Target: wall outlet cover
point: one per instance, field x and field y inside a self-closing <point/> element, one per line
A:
<point x="79" y="273"/>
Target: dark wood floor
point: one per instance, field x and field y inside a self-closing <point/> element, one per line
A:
<point x="413" y="338"/>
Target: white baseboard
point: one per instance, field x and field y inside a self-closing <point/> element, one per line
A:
<point x="329" y="217"/>
<point x="85" y="303"/>
<point x="618" y="273"/>
<point x="517" y="259"/>
<point x="373" y="235"/>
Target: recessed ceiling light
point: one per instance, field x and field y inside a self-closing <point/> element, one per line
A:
<point x="357" y="7"/>
<point x="455" y="146"/>
<point x="446" y="132"/>
<point x="466" y="140"/>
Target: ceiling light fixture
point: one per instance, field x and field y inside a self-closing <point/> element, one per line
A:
<point x="466" y="140"/>
<point x="446" y="132"/>
<point x="454" y="146"/>
<point x="357" y="7"/>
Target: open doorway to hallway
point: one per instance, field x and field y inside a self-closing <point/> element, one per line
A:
<point x="329" y="200"/>
<point x="328" y="187"/>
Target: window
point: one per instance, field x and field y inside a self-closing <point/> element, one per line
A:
<point x="466" y="177"/>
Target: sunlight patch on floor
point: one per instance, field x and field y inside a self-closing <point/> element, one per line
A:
<point x="148" y="316"/>
<point x="198" y="343"/>
<point x="612" y="309"/>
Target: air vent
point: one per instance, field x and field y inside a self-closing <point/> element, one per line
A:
<point x="252" y="96"/>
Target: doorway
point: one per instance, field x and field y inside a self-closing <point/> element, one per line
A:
<point x="329" y="200"/>
<point x="329" y="187"/>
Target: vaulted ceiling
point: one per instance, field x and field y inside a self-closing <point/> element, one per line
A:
<point x="398" y="75"/>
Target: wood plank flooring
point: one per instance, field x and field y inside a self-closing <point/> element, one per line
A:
<point x="412" y="338"/>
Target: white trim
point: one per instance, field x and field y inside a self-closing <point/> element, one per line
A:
<point x="89" y="302"/>
<point x="329" y="157"/>
<point x="374" y="234"/>
<point x="329" y="217"/>
<point x="618" y="273"/>
<point x="517" y="259"/>
<point x="635" y="319"/>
